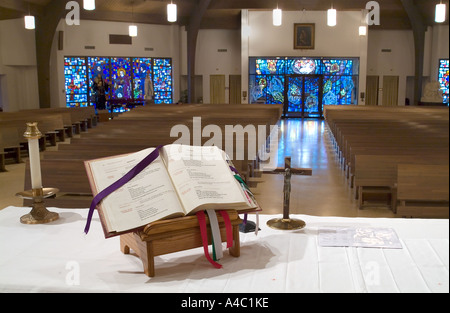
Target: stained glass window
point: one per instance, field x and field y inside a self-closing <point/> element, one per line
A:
<point x="304" y="84"/>
<point x="275" y="89"/>
<point x="141" y="67"/>
<point x="271" y="88"/>
<point x="127" y="76"/>
<point x="443" y="78"/>
<point x="75" y="76"/>
<point x="312" y="96"/>
<point x="97" y="66"/>
<point x="269" y="66"/>
<point x="121" y="78"/>
<point x="339" y="90"/>
<point x="337" y="67"/>
<point x="162" y="80"/>
<point x="295" y="94"/>
<point x="303" y="66"/>
<point x="256" y="93"/>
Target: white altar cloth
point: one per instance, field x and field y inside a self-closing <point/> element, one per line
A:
<point x="59" y="257"/>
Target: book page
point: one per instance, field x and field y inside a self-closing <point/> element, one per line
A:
<point x="148" y="197"/>
<point x="203" y="178"/>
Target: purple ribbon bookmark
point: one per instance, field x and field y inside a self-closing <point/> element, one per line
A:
<point x="122" y="181"/>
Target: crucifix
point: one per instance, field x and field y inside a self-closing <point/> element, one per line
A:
<point x="287" y="223"/>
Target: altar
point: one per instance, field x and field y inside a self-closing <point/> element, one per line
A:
<point x="59" y="257"/>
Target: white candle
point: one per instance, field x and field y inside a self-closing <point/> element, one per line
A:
<point x="35" y="163"/>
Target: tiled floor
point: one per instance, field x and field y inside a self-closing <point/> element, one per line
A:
<point x="325" y="193"/>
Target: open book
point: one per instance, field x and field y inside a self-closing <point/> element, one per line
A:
<point x="181" y="181"/>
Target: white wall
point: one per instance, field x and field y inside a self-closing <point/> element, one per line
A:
<point x="18" y="71"/>
<point x="163" y="39"/>
<point x="209" y="61"/>
<point x="339" y="41"/>
<point x="398" y="62"/>
<point x="401" y="60"/>
<point x="261" y="38"/>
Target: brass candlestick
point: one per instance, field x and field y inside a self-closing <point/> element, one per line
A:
<point x="39" y="214"/>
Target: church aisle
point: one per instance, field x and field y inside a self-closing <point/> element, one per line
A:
<point x="326" y="192"/>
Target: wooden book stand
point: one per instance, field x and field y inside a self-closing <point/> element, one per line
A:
<point x="173" y="235"/>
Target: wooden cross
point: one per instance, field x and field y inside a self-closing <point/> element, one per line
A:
<point x="286" y="222"/>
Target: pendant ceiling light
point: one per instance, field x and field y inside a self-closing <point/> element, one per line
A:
<point x="440" y="13"/>
<point x="277" y="17"/>
<point x="89" y="5"/>
<point x="362" y="30"/>
<point x="331" y="17"/>
<point x="29" y="22"/>
<point x="172" y="12"/>
<point x="132" y="30"/>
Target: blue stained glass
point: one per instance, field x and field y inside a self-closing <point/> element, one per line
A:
<point x="338" y="90"/>
<point x="275" y="89"/>
<point x="312" y="87"/>
<point x="303" y="66"/>
<point x="295" y="94"/>
<point x="162" y="80"/>
<point x="256" y="91"/>
<point x="141" y="67"/>
<point x="127" y="76"/>
<point x="270" y="66"/>
<point x="162" y="62"/>
<point x="310" y="82"/>
<point x="443" y="79"/>
<point x="121" y="78"/>
<point x="271" y="88"/>
<point x="75" y="77"/>
<point x="97" y="65"/>
<point x="338" y="67"/>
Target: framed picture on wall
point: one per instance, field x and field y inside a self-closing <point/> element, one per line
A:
<point x="304" y="36"/>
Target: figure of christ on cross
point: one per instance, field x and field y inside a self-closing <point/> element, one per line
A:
<point x="287" y="223"/>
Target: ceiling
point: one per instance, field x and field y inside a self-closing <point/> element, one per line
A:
<point x="221" y="14"/>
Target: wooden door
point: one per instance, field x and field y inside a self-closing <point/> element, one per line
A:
<point x="390" y="91"/>
<point x="372" y="90"/>
<point x="217" y="89"/>
<point x="235" y="89"/>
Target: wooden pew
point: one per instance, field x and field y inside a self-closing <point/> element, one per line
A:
<point x="136" y="130"/>
<point x="377" y="174"/>
<point x="67" y="123"/>
<point x="370" y="142"/>
<point x="51" y="126"/>
<point x="9" y="145"/>
<point x="423" y="190"/>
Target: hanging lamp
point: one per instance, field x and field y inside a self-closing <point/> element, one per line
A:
<point x="171" y="12"/>
<point x="89" y="5"/>
<point x="30" y="22"/>
<point x="331" y="17"/>
<point x="132" y="29"/>
<point x="277" y="17"/>
<point x="440" y="13"/>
